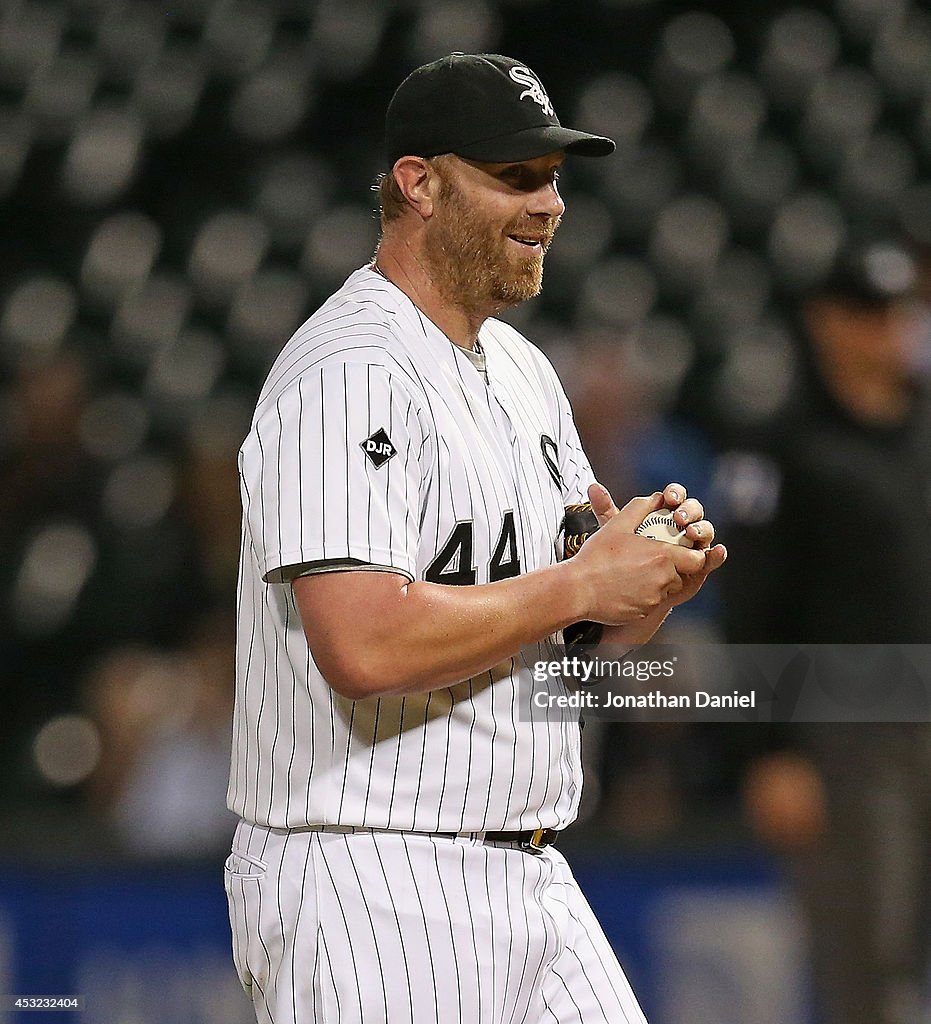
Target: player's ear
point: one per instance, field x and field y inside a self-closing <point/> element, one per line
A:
<point x="414" y="179"/>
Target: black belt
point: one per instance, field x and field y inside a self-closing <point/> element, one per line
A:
<point x="535" y="839"/>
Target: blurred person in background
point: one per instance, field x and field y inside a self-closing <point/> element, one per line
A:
<point x="613" y="409"/>
<point x="96" y="546"/>
<point x="46" y="475"/>
<point x="163" y="720"/>
<point x="844" y="560"/>
<point x="50" y="491"/>
<point x="209" y="496"/>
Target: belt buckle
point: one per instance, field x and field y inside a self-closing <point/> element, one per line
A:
<point x="535" y="842"/>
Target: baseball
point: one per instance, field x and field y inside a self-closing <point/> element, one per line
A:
<point x="661" y="526"/>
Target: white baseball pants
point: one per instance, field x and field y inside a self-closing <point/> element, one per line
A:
<point x="364" y="927"/>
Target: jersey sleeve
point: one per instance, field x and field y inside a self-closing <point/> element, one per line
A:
<point x="331" y="474"/>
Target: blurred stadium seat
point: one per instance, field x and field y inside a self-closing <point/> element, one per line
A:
<point x="801" y="46"/>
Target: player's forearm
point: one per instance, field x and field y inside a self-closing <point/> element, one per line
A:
<point x="423" y="636"/>
<point x="640" y="631"/>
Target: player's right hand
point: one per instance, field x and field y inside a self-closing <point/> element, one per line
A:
<point x="625" y="577"/>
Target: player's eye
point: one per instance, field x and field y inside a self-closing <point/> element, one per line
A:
<point x="526" y="181"/>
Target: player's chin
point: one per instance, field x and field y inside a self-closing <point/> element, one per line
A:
<point x="522" y="283"/>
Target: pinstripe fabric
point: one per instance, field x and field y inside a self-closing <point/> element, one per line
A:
<point x="375" y="927"/>
<point x="468" y="455"/>
<point x="376" y="442"/>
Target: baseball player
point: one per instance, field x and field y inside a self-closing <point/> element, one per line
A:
<point x="403" y="485"/>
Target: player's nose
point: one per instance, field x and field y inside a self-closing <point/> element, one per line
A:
<point x="547" y="200"/>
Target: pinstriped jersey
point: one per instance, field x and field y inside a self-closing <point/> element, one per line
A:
<point x="376" y="442"/>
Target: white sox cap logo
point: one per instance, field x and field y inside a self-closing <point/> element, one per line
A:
<point x="535" y="90"/>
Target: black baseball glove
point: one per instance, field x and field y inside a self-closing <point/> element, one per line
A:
<point x="578" y="524"/>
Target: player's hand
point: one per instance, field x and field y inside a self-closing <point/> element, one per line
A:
<point x="627" y="577"/>
<point x="667" y="577"/>
<point x="689" y="514"/>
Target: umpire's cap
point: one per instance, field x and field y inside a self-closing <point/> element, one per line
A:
<point x="871" y="270"/>
<point x="480" y="106"/>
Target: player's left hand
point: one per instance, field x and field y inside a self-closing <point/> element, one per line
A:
<point x="689" y="514"/>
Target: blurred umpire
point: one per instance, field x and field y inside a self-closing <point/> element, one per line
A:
<point x="843" y="558"/>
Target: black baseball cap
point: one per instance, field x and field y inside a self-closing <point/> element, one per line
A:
<point x="480" y="106"/>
